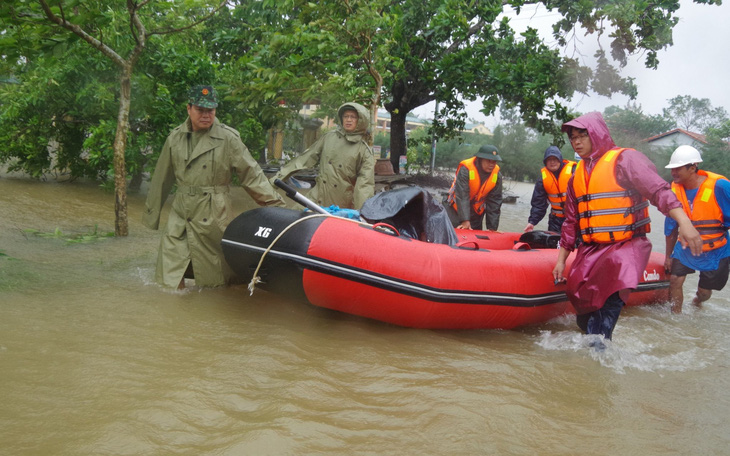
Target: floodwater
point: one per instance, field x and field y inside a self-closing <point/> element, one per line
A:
<point x="96" y="359"/>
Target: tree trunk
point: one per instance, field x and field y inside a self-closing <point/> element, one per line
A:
<point x="121" y="225"/>
<point x="373" y="124"/>
<point x="398" y="139"/>
<point x="311" y="132"/>
<point x="275" y="143"/>
<point x="405" y="98"/>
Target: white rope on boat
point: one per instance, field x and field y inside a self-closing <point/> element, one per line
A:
<point x="256" y="279"/>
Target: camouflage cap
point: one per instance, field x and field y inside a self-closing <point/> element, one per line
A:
<point x="204" y="96"/>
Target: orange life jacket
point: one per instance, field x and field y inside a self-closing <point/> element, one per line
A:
<point x="478" y="190"/>
<point x="556" y="188"/>
<point x="607" y="212"/>
<point x="705" y="213"/>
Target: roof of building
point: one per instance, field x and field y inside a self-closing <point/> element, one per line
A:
<point x="9" y="80"/>
<point x="695" y="136"/>
<point x="383" y="114"/>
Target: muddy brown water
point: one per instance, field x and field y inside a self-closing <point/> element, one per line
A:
<point x="96" y="359"/>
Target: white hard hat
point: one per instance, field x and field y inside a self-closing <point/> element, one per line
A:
<point x="684" y="155"/>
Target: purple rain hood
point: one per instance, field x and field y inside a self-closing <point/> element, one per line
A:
<point x="599" y="270"/>
<point x="597" y="131"/>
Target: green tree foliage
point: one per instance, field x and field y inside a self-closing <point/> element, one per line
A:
<point x="272" y="56"/>
<point x="46" y="114"/>
<point x="359" y="41"/>
<point x="279" y="55"/>
<point x="449" y="152"/>
<point x="629" y="125"/>
<point x="716" y="153"/>
<point x="452" y="52"/>
<point x="120" y="34"/>
<point x="694" y="114"/>
<point x="427" y="50"/>
<point x="70" y="102"/>
<point x="522" y="148"/>
<point x="262" y="53"/>
<point x="437" y="44"/>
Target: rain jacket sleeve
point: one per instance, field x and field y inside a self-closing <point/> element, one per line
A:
<point x="161" y="184"/>
<point x="539" y="204"/>
<point x="251" y="176"/>
<point x="634" y="170"/>
<point x="461" y="194"/>
<point x="494" y="205"/>
<point x="569" y="229"/>
<point x="365" y="186"/>
<point x="308" y="159"/>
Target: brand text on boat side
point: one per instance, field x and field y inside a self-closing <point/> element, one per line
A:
<point x="651" y="276"/>
<point x="265" y="232"/>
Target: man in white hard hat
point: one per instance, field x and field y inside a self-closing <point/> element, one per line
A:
<point x="705" y="198"/>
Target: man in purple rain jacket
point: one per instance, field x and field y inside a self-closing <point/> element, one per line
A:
<point x="615" y="250"/>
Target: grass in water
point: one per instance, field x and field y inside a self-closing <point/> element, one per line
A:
<point x="92" y="235"/>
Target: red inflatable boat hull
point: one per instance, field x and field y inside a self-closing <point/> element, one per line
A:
<point x="488" y="281"/>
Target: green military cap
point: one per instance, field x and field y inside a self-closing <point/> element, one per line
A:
<point x="204" y="96"/>
<point x="489" y="152"/>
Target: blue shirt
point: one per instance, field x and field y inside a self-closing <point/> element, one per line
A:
<point x="710" y="260"/>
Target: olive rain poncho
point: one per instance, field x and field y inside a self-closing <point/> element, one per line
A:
<point x="201" y="208"/>
<point x="345" y="163"/>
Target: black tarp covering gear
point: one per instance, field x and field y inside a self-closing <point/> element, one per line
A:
<point x="541" y="239"/>
<point x="413" y="212"/>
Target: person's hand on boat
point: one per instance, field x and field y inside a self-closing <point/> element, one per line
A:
<point x="465" y="225"/>
<point x="667" y="264"/>
<point x="691" y="240"/>
<point x="558" y="274"/>
<point x="688" y="234"/>
<point x="529" y="227"/>
<point x="560" y="266"/>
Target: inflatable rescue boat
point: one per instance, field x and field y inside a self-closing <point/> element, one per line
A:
<point x="484" y="280"/>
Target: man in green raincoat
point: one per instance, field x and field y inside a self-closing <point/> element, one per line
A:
<point x="345" y="160"/>
<point x="200" y="156"/>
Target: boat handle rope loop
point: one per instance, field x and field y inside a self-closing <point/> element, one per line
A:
<point x="256" y="279"/>
<point x="387" y="229"/>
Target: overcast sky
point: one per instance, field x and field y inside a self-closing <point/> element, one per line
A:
<point x="698" y="64"/>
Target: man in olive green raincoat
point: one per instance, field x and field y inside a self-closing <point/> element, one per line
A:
<point x="346" y="163"/>
<point x="200" y="156"/>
